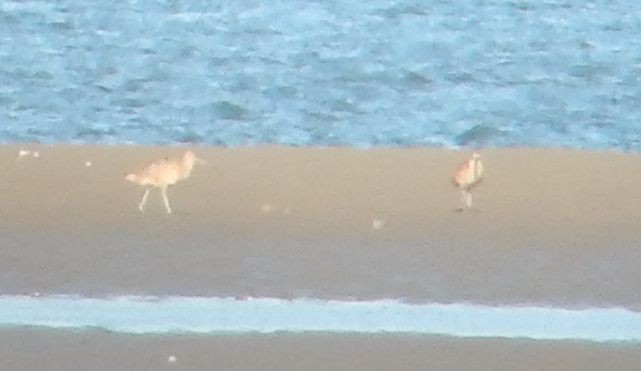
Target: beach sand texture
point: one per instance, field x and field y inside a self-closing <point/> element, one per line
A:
<point x="52" y="351"/>
<point x="549" y="226"/>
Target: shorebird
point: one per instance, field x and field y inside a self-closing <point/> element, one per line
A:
<point x="467" y="175"/>
<point x="163" y="173"/>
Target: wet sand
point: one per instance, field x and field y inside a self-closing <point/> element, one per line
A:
<point x="550" y="226"/>
<point x="92" y="351"/>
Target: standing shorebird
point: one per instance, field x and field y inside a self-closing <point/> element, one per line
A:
<point x="467" y="175"/>
<point x="163" y="173"/>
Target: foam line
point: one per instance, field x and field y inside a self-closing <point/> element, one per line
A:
<point x="153" y="315"/>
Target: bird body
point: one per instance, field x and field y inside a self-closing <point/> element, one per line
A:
<point x="467" y="175"/>
<point x="163" y="173"/>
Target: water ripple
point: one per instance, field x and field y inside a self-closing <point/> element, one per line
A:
<point x="500" y="73"/>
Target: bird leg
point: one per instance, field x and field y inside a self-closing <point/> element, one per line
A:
<point x="466" y="199"/>
<point x="165" y="199"/>
<point x="141" y="205"/>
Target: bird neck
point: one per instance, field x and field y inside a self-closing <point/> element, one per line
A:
<point x="475" y="166"/>
<point x="187" y="167"/>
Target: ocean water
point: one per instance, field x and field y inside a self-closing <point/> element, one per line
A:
<point x="322" y="73"/>
<point x="173" y="315"/>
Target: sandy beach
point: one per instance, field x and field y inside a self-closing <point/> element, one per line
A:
<point x="550" y="226"/>
<point x="34" y="350"/>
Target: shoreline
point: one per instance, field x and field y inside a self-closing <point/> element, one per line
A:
<point x="215" y="316"/>
<point x="551" y="226"/>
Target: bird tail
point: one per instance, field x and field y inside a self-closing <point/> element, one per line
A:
<point x="130" y="177"/>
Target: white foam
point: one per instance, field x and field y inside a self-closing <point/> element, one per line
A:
<point x="153" y="315"/>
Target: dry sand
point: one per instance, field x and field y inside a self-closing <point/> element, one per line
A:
<point x="550" y="226"/>
<point x="95" y="351"/>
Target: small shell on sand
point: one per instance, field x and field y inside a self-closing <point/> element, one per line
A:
<point x="378" y="224"/>
<point x="88" y="164"/>
<point x="25" y="152"/>
<point x="172" y="359"/>
<point x="266" y="208"/>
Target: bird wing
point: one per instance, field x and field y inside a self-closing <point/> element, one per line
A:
<point x="460" y="174"/>
<point x="151" y="171"/>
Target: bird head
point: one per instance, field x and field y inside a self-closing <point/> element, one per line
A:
<point x="476" y="156"/>
<point x="191" y="158"/>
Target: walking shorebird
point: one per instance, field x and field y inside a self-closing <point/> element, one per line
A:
<point x="163" y="173"/>
<point x="467" y="175"/>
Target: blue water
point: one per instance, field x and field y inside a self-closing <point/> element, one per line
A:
<point x="152" y="315"/>
<point x="358" y="73"/>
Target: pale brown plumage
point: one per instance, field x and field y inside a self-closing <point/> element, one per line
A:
<point x="163" y="173"/>
<point x="467" y="175"/>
